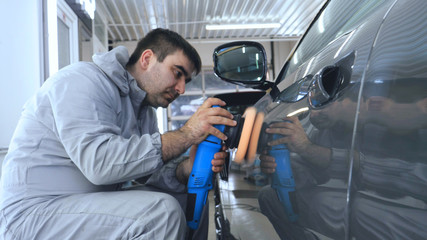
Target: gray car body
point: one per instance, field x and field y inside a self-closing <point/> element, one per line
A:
<point x="375" y="120"/>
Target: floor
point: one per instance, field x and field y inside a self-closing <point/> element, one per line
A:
<point x="239" y="198"/>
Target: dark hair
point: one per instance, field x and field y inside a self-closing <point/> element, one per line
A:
<point x="164" y="42"/>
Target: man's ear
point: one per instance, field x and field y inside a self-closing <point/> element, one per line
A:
<point x="146" y="58"/>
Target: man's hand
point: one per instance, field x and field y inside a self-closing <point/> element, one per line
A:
<point x="268" y="163"/>
<point x="184" y="169"/>
<point x="197" y="128"/>
<point x="293" y="135"/>
<point x="219" y="160"/>
<point x="296" y="141"/>
<point x="200" y="125"/>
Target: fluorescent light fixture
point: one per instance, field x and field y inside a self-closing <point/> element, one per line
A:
<point x="242" y="26"/>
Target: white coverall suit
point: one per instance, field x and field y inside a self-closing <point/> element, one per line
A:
<point x="84" y="133"/>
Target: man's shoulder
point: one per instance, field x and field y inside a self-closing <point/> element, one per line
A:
<point x="87" y="71"/>
<point x="82" y="68"/>
<point x="83" y="77"/>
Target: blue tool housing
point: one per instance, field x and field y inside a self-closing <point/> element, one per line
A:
<point x="200" y="180"/>
<point x="283" y="180"/>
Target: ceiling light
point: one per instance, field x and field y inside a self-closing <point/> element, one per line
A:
<point x="242" y="26"/>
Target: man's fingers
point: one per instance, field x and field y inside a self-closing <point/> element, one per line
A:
<point x="217" y="168"/>
<point x="218" y="161"/>
<point x="223" y="121"/>
<point x="208" y="103"/>
<point x="288" y="122"/>
<point x="282" y="131"/>
<point x="220" y="155"/>
<point x="268" y="164"/>
<point x="283" y="140"/>
<point x="201" y="124"/>
<point x="218" y="114"/>
<point x="215" y="111"/>
<point x="268" y="170"/>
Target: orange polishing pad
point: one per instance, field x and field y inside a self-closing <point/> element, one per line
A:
<point x="249" y="115"/>
<point x="253" y="142"/>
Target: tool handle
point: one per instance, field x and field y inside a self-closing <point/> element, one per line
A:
<point x="283" y="181"/>
<point x="200" y="180"/>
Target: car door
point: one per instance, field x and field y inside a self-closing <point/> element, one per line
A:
<point x="389" y="198"/>
<point x="348" y="115"/>
<point x="319" y="86"/>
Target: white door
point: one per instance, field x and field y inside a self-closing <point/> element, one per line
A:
<point x="62" y="36"/>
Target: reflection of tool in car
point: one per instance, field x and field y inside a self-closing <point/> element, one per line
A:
<point x="200" y="180"/>
<point x="283" y="180"/>
<point x="252" y="134"/>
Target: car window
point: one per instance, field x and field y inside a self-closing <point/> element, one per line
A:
<point x="296" y="91"/>
<point x="339" y="18"/>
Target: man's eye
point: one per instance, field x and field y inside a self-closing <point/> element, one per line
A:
<point x="178" y="74"/>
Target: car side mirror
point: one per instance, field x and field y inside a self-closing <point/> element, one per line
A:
<point x="243" y="63"/>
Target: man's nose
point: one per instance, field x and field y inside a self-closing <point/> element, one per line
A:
<point x="180" y="86"/>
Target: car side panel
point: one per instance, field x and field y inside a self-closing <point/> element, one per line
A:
<point x="389" y="191"/>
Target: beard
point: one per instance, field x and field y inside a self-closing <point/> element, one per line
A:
<point x="321" y="121"/>
<point x="170" y="96"/>
<point x="159" y="92"/>
<point x="161" y="99"/>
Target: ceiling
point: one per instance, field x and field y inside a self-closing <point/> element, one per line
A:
<point x="130" y="20"/>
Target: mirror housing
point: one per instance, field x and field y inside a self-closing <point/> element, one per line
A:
<point x="243" y="63"/>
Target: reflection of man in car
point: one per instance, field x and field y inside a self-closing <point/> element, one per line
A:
<point x="389" y="175"/>
<point x="400" y="105"/>
<point x="393" y="176"/>
<point x="320" y="166"/>
<point x="396" y="119"/>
